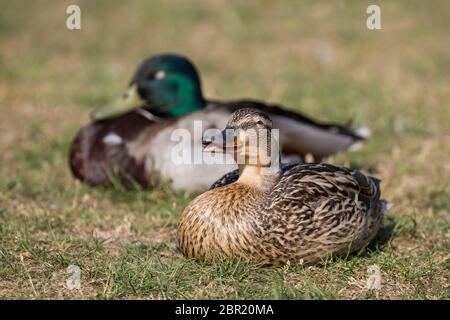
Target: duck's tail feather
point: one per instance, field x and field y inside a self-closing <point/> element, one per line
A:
<point x="376" y="188"/>
<point x="382" y="206"/>
<point x="363" y="134"/>
<point x="385" y="206"/>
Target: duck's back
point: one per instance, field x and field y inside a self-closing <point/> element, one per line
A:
<point x="316" y="210"/>
<point x="318" y="139"/>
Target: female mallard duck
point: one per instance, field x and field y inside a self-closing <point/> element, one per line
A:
<point x="133" y="135"/>
<point x="305" y="212"/>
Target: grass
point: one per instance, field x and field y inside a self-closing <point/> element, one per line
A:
<point x="313" y="56"/>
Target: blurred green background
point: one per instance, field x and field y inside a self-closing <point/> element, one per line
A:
<point x="313" y="56"/>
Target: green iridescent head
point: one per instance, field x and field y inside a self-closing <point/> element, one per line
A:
<point x="167" y="85"/>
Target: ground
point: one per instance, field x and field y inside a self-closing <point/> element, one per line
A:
<point x="313" y="56"/>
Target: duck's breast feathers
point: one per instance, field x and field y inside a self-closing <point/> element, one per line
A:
<point x="102" y="146"/>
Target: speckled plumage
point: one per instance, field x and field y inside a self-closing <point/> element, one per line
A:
<point x="310" y="212"/>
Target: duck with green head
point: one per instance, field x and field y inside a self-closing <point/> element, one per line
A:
<point x="133" y="135"/>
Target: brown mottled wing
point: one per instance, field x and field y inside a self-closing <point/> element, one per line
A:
<point x="94" y="161"/>
<point x="328" y="206"/>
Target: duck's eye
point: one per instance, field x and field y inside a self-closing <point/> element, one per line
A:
<point x="160" y="74"/>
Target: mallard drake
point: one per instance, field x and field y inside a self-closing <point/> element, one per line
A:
<point x="305" y="212"/>
<point x="133" y="134"/>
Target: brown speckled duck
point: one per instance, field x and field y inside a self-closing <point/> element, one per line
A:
<point x="302" y="212"/>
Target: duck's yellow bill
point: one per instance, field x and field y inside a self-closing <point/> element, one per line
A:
<point x="128" y="102"/>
